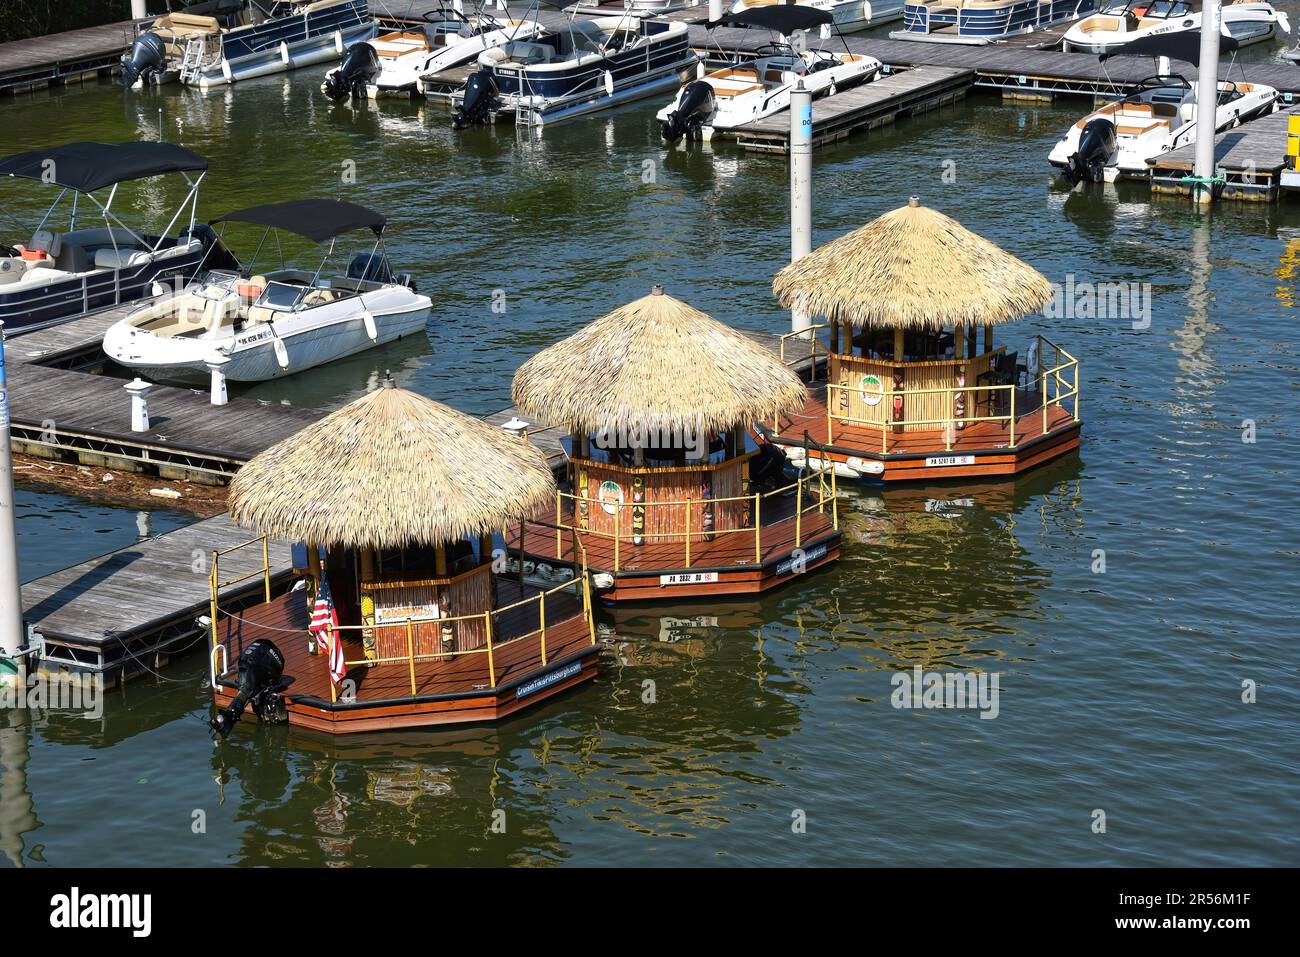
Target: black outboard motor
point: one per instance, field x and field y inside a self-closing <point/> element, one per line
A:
<point x="261" y="679"/>
<point x="479" y="101"/>
<point x="696" y="104"/>
<point x="146" y="60"/>
<point x="370" y="267"/>
<point x="360" y="65"/>
<point x="767" y="469"/>
<point x="1096" y="146"/>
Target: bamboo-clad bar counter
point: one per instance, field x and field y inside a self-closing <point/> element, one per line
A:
<point x="666" y="495"/>
<point x="397" y="500"/>
<point x="912" y="393"/>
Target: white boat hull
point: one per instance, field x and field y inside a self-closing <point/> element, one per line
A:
<point x="1246" y="23"/>
<point x="289" y="56"/>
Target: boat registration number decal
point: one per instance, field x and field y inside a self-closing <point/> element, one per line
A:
<point x="932" y="461"/>
<point x="548" y="679"/>
<point x="688" y="578"/>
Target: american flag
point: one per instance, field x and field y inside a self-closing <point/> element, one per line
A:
<point x="324" y="622"/>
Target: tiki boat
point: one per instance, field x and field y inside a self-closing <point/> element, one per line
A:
<point x="911" y="393"/>
<point x="398" y="618"/>
<point x="666" y="496"/>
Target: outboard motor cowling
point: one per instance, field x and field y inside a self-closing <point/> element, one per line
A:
<point x="261" y="679"/>
<point x="368" y="267"/>
<point x="145" y="61"/>
<point x="1096" y="146"/>
<point x="696" y="104"/>
<point x="360" y="65"/>
<point x="479" y="101"/>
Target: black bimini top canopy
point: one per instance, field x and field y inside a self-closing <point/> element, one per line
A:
<point x="784" y="18"/>
<point x="88" y="166"/>
<point x="317" y="219"/>
<point x="1184" y="45"/>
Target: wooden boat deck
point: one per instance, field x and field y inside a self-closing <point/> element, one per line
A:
<point x="453" y="689"/>
<point x="1251" y="159"/>
<point x="982" y="448"/>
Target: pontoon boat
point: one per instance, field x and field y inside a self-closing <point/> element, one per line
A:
<point x="984" y="21"/>
<point x="731" y="97"/>
<point x="582" y="67"/>
<point x="1119" y="139"/>
<point x="220" y="41"/>
<point x="392" y="64"/>
<point x="54" y="275"/>
<point x="1124" y="21"/>
<point x="262" y="326"/>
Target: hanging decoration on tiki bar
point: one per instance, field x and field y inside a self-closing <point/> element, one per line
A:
<point x="910" y="392"/>
<point x="666" y="494"/>
<point x="398" y="617"/>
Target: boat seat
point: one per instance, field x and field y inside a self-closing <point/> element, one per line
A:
<point x="258" y="314"/>
<point x="47" y="242"/>
<point x="318" y="297"/>
<point x="738" y="92"/>
<point x="11" y="271"/>
<point x="120" y="258"/>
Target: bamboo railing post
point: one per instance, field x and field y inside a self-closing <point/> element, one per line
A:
<point x="758" y="531"/>
<point x="835" y="501"/>
<point x="618" y="537"/>
<point x="329" y="678"/>
<point x="557" y="524"/>
<point x="1012" y="422"/>
<point x="410" y="651"/>
<point x="798" y="512"/>
<point x="688" y="533"/>
<point x="542" y="615"/>
<point x="266" y="566"/>
<point x="213" y="585"/>
<point x="492" y="668"/>
<point x="1044" y="388"/>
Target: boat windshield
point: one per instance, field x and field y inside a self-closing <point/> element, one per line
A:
<point x="1161" y="87"/>
<point x="1160" y="9"/>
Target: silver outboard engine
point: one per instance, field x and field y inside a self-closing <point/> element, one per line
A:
<point x="479" y="101"/>
<point x="360" y="65"/>
<point x="261" y="679"/>
<point x="696" y="103"/>
<point x="145" y="61"/>
<point x="1096" y="146"/>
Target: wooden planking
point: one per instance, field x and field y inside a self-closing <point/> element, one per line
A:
<point x="179" y="418"/>
<point x="145" y="586"/>
<point x="82" y="334"/>
<point x="872" y="104"/>
<point x="1255" y="147"/>
<point x="39" y="60"/>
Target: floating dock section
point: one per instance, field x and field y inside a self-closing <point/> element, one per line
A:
<point x="1251" y="159"/>
<point x="878" y="103"/>
<point x="60" y="58"/>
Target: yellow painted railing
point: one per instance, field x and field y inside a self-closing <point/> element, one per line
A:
<point x="580" y="584"/>
<point x="215" y="582"/>
<point x="815" y="490"/>
<point x="1056" y="384"/>
<point x="809" y="338"/>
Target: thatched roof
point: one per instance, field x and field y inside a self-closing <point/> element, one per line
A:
<point x="660" y="364"/>
<point x="913" y="268"/>
<point x="389" y="470"/>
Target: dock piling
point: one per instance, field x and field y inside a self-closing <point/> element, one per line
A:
<point x="11" y="605"/>
<point x="217" y="369"/>
<point x="1207" y="101"/>
<point x="800" y="189"/>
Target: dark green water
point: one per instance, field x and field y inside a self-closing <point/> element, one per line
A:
<point x="1120" y="691"/>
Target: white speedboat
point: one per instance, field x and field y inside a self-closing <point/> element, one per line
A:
<point x="1117" y="140"/>
<point x="983" y="21"/>
<point x="263" y="326"/>
<point x="392" y="64"/>
<point x="757" y="88"/>
<point x="575" y="69"/>
<point x="1124" y="21"/>
<point x="97" y="260"/>
<point x="850" y="15"/>
<point x="216" y="42"/>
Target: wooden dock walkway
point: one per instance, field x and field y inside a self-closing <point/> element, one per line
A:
<point x="875" y="104"/>
<point x="122" y="614"/>
<point x="1250" y="158"/>
<point x="56" y="58"/>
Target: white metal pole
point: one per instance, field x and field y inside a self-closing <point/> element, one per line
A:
<point x="715" y="11"/>
<point x="139" y="9"/>
<point x="800" y="187"/>
<point x="1207" y="98"/>
<point x="11" y="604"/>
